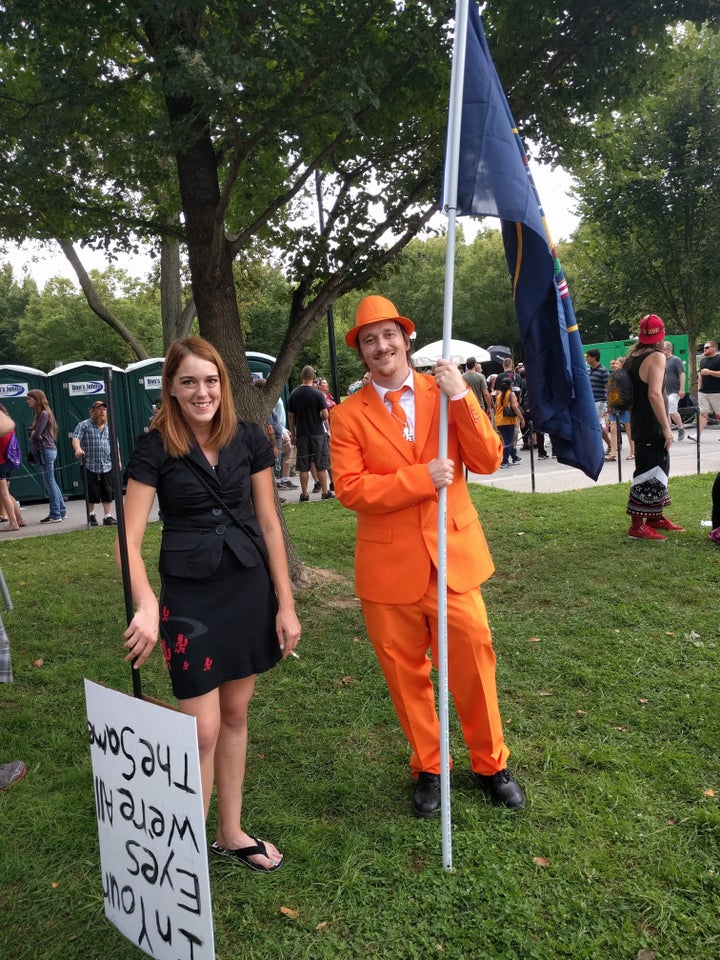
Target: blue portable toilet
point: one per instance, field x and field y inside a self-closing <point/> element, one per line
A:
<point x="73" y="388"/>
<point x="15" y="384"/>
<point x="143" y="380"/>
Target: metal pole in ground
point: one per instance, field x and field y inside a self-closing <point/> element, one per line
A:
<point x="531" y="435"/>
<point x="83" y="466"/>
<point x="5" y="592"/>
<point x="120" y="510"/>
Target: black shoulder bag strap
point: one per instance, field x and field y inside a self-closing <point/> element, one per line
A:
<point x="248" y="531"/>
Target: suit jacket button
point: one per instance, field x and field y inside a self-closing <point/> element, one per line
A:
<point x="220" y="529"/>
<point x="216" y="512"/>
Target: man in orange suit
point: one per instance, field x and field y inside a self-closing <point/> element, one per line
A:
<point x="384" y="444"/>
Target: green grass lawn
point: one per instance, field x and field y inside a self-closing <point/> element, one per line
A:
<point x="608" y="679"/>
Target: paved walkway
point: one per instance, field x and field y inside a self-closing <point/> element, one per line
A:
<point x="553" y="477"/>
<point x="550" y="477"/>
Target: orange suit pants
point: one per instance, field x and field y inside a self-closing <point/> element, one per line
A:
<point x="402" y="634"/>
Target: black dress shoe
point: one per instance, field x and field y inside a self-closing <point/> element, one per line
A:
<point x="502" y="789"/>
<point x="426" y="795"/>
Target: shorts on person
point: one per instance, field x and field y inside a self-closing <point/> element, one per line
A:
<point x="619" y="416"/>
<point x="709" y="403"/>
<point x="312" y="449"/>
<point x="99" y="487"/>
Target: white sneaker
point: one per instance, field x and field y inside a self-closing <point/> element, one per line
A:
<point x="11" y="772"/>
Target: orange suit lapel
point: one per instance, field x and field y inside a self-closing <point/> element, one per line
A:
<point x="426" y="397"/>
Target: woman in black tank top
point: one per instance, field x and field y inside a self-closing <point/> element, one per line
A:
<point x="650" y="426"/>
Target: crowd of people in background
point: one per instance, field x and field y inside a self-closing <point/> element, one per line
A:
<point x="299" y="429"/>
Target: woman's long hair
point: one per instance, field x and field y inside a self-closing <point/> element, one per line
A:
<point x="42" y="406"/>
<point x="169" y="421"/>
<point x="644" y="348"/>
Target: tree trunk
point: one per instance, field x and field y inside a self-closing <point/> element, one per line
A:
<point x="170" y="289"/>
<point x="210" y="258"/>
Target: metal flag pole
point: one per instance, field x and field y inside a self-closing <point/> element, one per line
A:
<point x="450" y="204"/>
<point x="120" y="511"/>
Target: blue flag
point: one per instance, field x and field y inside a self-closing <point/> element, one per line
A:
<point x="494" y="181"/>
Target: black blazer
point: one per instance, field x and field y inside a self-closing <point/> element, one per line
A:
<point x="195" y="527"/>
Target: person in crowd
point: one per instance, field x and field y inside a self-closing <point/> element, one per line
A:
<point x="508" y="416"/>
<point x="674" y="386"/>
<point x="511" y="377"/>
<point x="385" y="451"/>
<point x="324" y="388"/>
<point x="651" y="432"/>
<point x="8" y="504"/>
<point x="598" y="384"/>
<point x="274" y="433"/>
<point x="91" y="440"/>
<point x="475" y="379"/>
<point x="708" y="385"/>
<point x="288" y="462"/>
<point x="308" y="414"/>
<point x="273" y="427"/>
<point x="226" y="610"/>
<point x="538" y="437"/>
<point x="43" y="435"/>
<point x="619" y="419"/>
<point x="714" y="534"/>
<point x="13" y="770"/>
<point x="359" y="384"/>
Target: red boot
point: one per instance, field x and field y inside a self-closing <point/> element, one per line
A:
<point x="662" y="523"/>
<point x="644" y="532"/>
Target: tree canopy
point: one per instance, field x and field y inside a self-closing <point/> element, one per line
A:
<point x="209" y="123"/>
<point x="650" y="197"/>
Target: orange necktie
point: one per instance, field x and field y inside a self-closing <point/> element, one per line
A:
<point x="396" y="409"/>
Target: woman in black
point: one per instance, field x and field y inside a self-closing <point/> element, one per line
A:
<point x="226" y="609"/>
<point x="650" y="428"/>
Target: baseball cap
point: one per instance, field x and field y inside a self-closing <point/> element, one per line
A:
<point x="652" y="329"/>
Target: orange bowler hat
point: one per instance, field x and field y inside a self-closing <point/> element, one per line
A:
<point x="372" y="309"/>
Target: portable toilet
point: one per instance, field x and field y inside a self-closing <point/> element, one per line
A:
<point x="73" y="388"/>
<point x="261" y="363"/>
<point x="15" y="383"/>
<point x="143" y="380"/>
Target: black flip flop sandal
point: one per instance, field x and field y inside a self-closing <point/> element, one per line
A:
<point x="243" y="854"/>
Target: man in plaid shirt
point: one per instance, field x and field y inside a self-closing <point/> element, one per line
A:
<point x="91" y="439"/>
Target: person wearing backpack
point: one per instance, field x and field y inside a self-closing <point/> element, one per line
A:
<point x="8" y="464"/>
<point x="619" y="416"/>
<point x="651" y="432"/>
<point x="507" y="416"/>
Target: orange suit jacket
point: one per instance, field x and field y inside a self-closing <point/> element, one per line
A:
<point x="385" y="480"/>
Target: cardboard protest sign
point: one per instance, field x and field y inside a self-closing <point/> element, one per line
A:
<point x="151" y="824"/>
